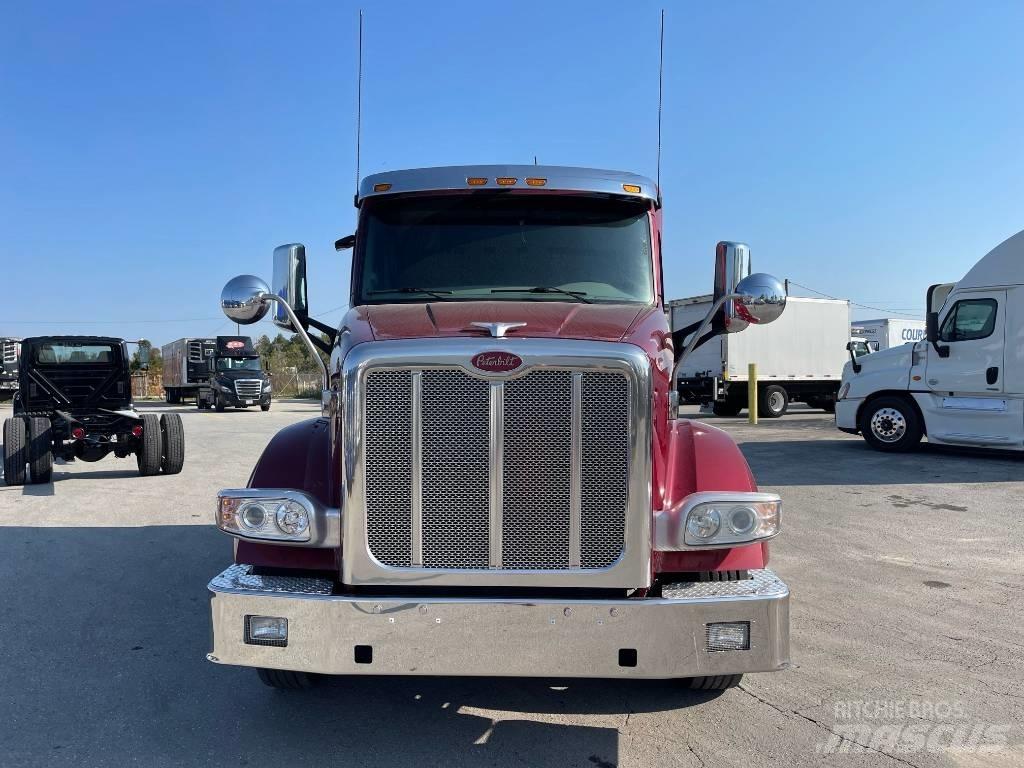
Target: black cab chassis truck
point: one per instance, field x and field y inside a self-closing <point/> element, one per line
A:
<point x="220" y="373"/>
<point x="74" y="401"/>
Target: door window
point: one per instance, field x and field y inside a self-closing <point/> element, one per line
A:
<point x="969" y="319"/>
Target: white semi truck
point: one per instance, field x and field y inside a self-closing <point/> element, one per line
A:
<point x="799" y="358"/>
<point x="963" y="384"/>
<point x="888" y="332"/>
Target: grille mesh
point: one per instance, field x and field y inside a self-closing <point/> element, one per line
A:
<point x="538" y="415"/>
<point x="456" y="495"/>
<point x="389" y="466"/>
<point x="605" y="460"/>
<point x="455" y="468"/>
<point x="248" y="388"/>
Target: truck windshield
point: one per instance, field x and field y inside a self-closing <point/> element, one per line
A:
<point x="238" y="364"/>
<point x="505" y="247"/>
<point x="61" y="353"/>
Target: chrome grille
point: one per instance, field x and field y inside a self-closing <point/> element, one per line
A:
<point x="248" y="389"/>
<point x="471" y="473"/>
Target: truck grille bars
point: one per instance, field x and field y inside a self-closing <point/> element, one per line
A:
<point x="248" y="389"/>
<point x="529" y="472"/>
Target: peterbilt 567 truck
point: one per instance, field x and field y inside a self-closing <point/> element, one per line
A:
<point x="498" y="483"/>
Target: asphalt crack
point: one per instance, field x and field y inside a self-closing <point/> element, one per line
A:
<point x="824" y="727"/>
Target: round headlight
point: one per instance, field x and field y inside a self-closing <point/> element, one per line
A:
<point x="742" y="520"/>
<point x="292" y="518"/>
<point x="253" y="516"/>
<point x="703" y="523"/>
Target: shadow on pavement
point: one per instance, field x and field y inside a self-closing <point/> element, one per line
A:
<point x="104" y="664"/>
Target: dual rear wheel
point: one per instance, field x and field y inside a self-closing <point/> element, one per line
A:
<point x="28" y="450"/>
<point x="162" y="445"/>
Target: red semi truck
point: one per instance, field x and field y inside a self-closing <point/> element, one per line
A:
<point x="498" y="483"/>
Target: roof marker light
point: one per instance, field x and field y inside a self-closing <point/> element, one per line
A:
<point x="634" y="188"/>
<point x="506" y="181"/>
<point x="536" y="182"/>
<point x="476" y="181"/>
<point x="382" y="187"/>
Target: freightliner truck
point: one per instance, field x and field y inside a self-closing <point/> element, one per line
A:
<point x="498" y="484"/>
<point x="221" y="372"/>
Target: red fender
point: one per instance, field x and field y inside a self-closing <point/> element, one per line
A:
<point x="299" y="458"/>
<point x="704" y="458"/>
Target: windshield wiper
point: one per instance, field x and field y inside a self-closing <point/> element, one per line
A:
<point x="436" y="294"/>
<point x="577" y="295"/>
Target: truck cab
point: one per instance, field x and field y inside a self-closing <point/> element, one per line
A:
<point x="498" y="483"/>
<point x="963" y="385"/>
<point x="235" y="377"/>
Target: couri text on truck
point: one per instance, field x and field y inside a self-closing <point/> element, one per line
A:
<point x="964" y="383"/>
<point x="498" y="484"/>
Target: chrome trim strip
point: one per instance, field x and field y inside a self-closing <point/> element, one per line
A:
<point x="497" y="470"/>
<point x="427" y="635"/>
<point x="558" y="179"/>
<point x="576" y="471"/>
<point x="416" y="501"/>
<point x="670" y="524"/>
<point x="631" y="570"/>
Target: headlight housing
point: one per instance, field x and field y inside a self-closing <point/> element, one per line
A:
<point x="710" y="520"/>
<point x="278" y="515"/>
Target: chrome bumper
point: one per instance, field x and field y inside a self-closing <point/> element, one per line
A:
<point x="662" y="637"/>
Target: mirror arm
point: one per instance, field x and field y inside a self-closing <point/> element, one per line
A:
<point x="853" y="359"/>
<point x="302" y="333"/>
<point x="700" y="332"/>
<point x="332" y="333"/>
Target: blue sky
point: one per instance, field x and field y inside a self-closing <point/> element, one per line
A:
<point x="150" y="151"/>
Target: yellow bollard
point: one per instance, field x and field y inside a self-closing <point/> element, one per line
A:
<point x="752" y="392"/>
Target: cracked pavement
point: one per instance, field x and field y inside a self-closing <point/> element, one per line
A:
<point x="906" y="578"/>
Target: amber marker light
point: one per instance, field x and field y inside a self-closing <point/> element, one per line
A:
<point x="476" y="181"/>
<point x="381" y="187"/>
<point x="505" y="181"/>
<point x="634" y="188"/>
<point x="536" y="182"/>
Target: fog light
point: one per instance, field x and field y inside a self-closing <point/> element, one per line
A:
<point x="729" y="636"/>
<point x="266" y="630"/>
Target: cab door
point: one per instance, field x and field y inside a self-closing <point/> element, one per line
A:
<point x="967" y="404"/>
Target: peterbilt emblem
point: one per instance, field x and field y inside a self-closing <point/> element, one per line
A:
<point x="496" y="362"/>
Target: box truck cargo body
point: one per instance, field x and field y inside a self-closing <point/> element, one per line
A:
<point x="799" y="357"/>
<point x="888" y="332"/>
<point x="186" y="367"/>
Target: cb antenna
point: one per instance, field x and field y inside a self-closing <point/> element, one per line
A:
<point x="359" y="101"/>
<point x="661" y="72"/>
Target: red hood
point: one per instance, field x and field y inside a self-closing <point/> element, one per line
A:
<point x="599" y="322"/>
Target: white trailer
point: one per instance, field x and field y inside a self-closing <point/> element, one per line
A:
<point x="888" y="332"/>
<point x="963" y="384"/>
<point x="799" y="357"/>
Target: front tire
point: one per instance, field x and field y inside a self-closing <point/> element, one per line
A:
<point x="218" y="404"/>
<point x="173" y="433"/>
<point x="712" y="683"/>
<point x="890" y="424"/>
<point x="265" y="408"/>
<point x="151" y="446"/>
<point x="15" y="451"/>
<point x="286" y="679"/>
<point x="774" y="401"/>
<point x="40" y="449"/>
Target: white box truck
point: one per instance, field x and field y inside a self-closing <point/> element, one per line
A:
<point x="964" y="383"/>
<point x="888" y="332"/>
<point x="799" y="358"/>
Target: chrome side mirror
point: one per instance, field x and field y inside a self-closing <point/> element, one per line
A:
<point x="243" y="299"/>
<point x="761" y="299"/>
<point x="732" y="264"/>
<point x="290" y="284"/>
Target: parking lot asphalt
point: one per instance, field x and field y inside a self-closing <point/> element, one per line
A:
<point x="907" y="578"/>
